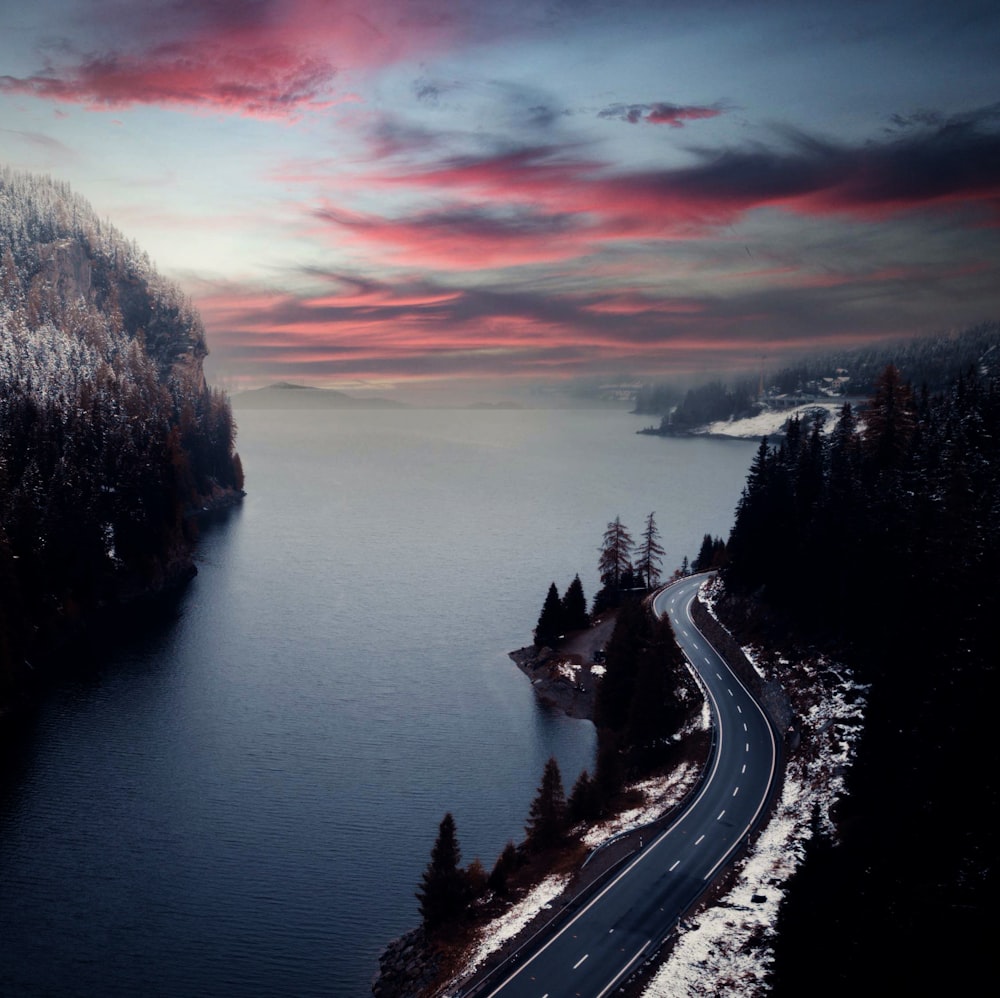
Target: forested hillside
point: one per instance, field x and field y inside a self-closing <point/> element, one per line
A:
<point x="880" y="543"/>
<point x="109" y="434"/>
<point x="930" y="363"/>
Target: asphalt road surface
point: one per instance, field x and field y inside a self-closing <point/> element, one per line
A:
<point x="598" y="947"/>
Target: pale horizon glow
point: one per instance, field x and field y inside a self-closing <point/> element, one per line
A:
<point x="484" y="199"/>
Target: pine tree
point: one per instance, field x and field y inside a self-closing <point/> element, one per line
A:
<point x="810" y="475"/>
<point x="656" y="712"/>
<point x="476" y="880"/>
<point x="443" y="886"/>
<point x="616" y="554"/>
<point x="615" y="566"/>
<point x="704" y="560"/>
<point x="550" y="621"/>
<point x="751" y="538"/>
<point x="614" y="695"/>
<point x="574" y="607"/>
<point x="720" y="553"/>
<point x="650" y="553"/>
<point x="584" y="802"/>
<point x="507" y="862"/>
<point x="890" y="419"/>
<point x="547" y="817"/>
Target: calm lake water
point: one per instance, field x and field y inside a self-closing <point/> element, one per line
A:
<point x="241" y="800"/>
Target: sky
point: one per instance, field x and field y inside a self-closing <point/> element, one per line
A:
<point x="406" y="196"/>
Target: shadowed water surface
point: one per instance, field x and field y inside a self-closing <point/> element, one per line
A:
<point x="241" y="800"/>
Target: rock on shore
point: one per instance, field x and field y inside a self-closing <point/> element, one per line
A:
<point x="406" y="967"/>
<point x="559" y="680"/>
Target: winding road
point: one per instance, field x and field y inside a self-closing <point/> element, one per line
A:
<point x="593" y="950"/>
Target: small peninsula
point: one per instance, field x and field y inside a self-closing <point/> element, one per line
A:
<point x="567" y="678"/>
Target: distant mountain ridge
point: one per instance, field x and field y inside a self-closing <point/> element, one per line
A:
<point x="286" y="395"/>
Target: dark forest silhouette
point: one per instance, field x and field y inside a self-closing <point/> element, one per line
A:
<point x="880" y="542"/>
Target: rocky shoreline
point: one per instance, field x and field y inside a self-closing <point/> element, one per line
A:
<point x="406" y="967"/>
<point x="559" y="680"/>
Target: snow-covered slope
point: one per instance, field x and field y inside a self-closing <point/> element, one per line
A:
<point x="772" y="422"/>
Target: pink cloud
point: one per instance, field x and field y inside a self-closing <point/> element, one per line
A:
<point x="675" y="116"/>
<point x="601" y="229"/>
<point x="636" y="304"/>
<point x="268" y="59"/>
<point x="267" y="81"/>
<point x="464" y="238"/>
<point x="411" y="330"/>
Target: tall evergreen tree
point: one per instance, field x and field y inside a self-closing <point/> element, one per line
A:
<point x="506" y="864"/>
<point x="547" y="817"/>
<point x="890" y="420"/>
<point x="650" y="553"/>
<point x="443" y="888"/>
<point x="584" y="802"/>
<point x="614" y="695"/>
<point x="616" y="554"/>
<point x="810" y="474"/>
<point x="574" y="607"/>
<point x="661" y="691"/>
<point x="752" y="539"/>
<point x="720" y="553"/>
<point x="550" y="622"/>
<point x="704" y="559"/>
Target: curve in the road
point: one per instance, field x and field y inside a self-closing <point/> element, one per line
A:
<point x="602" y="943"/>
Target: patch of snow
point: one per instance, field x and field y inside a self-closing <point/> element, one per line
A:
<point x="772" y="422"/>
<point x="750" y="653"/>
<point x="705" y="718"/>
<point x="658" y="795"/>
<point x="597" y="670"/>
<point x="567" y="670"/>
<point x="494" y="934"/>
